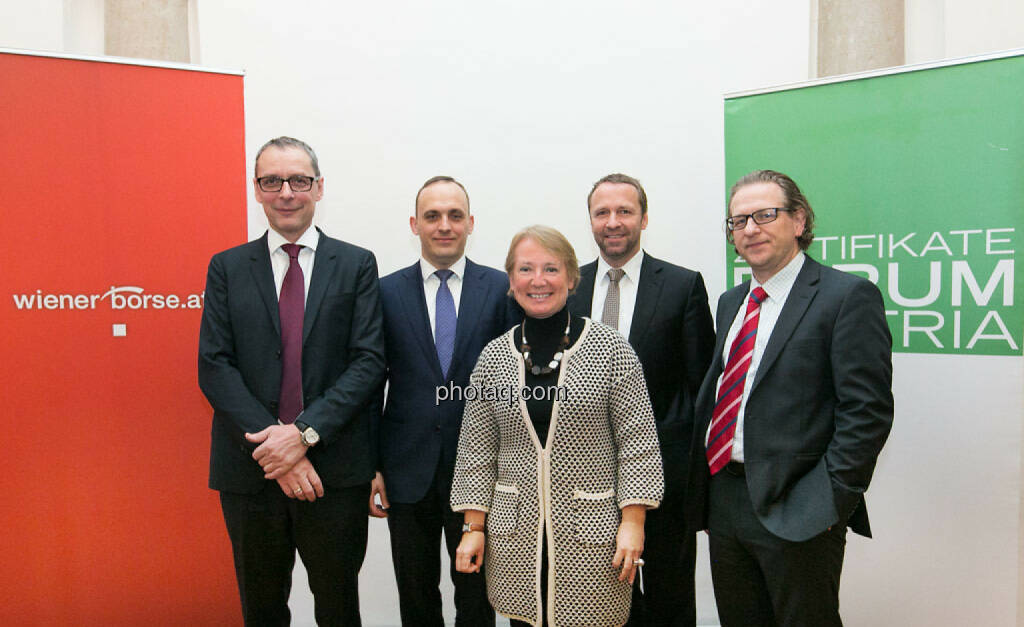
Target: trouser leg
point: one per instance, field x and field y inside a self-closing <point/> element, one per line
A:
<point x="670" y="556"/>
<point x="415" y="530"/>
<point x="259" y="526"/>
<point x="761" y="579"/>
<point x="330" y="534"/>
<point x="472" y="608"/>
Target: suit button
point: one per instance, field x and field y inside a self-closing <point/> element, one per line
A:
<point x="278" y="354"/>
<point x="437" y="428"/>
<point x="241" y="447"/>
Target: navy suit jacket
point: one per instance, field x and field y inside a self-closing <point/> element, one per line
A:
<point x="819" y="408"/>
<point x="342" y="361"/>
<point x="672" y="335"/>
<point x="415" y="433"/>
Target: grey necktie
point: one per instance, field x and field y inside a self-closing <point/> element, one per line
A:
<point x="610" y="313"/>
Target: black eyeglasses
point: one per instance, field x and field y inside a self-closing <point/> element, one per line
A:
<point x="297" y="183"/>
<point x="761" y="216"/>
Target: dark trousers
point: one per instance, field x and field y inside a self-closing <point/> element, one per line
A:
<point x="330" y="535"/>
<point x="761" y="579"/>
<point x="670" y="558"/>
<point x="415" y="532"/>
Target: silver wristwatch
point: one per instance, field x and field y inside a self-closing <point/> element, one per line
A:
<point x="307" y="433"/>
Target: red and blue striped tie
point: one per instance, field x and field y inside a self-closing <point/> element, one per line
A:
<point x="730" y="392"/>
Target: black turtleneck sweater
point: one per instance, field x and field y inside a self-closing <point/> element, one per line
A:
<point x="545" y="336"/>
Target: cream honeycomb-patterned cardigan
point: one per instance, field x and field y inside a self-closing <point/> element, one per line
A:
<point x="601" y="455"/>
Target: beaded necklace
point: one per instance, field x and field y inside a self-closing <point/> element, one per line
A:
<point x="524" y="348"/>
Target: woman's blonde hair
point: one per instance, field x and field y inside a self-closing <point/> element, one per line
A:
<point x="552" y="241"/>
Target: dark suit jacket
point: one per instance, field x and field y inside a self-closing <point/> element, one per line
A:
<point x="819" y="409"/>
<point x="672" y="335"/>
<point x="342" y="360"/>
<point x="414" y="431"/>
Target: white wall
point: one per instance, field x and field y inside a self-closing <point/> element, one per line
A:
<point x="950" y="29"/>
<point x="84" y="27"/>
<point x="71" y="26"/>
<point x="526" y="102"/>
<point x="35" y="25"/>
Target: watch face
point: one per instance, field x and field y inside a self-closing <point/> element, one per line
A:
<point x="310" y="437"/>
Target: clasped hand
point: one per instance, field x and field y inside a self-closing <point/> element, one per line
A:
<point x="280" y="447"/>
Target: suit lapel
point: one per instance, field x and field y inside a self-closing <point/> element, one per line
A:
<point x="648" y="291"/>
<point x="804" y="289"/>
<point x="474" y="294"/>
<point x="263" y="276"/>
<point x="583" y="299"/>
<point x="414" y="305"/>
<point x="324" y="265"/>
<point x="730" y="304"/>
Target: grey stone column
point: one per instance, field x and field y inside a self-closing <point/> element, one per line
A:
<point x="858" y="36"/>
<point x="150" y="29"/>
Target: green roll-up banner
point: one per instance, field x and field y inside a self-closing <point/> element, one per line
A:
<point x="917" y="180"/>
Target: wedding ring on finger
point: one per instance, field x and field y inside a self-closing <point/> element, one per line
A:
<point x="297" y="490"/>
<point x="638" y="562"/>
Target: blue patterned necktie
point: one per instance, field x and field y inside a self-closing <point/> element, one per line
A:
<point x="444" y="322"/>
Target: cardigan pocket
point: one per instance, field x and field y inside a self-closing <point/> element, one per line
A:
<point x="595" y="516"/>
<point x="504" y="510"/>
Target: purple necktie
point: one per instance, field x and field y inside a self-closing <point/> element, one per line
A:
<point x="444" y="322"/>
<point x="291" y="306"/>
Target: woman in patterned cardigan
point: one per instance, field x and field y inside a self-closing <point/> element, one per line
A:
<point x="558" y="455"/>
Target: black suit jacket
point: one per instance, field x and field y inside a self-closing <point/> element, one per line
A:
<point x="342" y="360"/>
<point x="819" y="409"/>
<point x="672" y="335"/>
<point x="415" y="432"/>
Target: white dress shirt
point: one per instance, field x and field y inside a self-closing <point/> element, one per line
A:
<point x="431" y="283"/>
<point x="777" y="288"/>
<point x="627" y="291"/>
<point x="279" y="260"/>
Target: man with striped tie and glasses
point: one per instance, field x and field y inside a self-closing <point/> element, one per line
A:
<point x="793" y="414"/>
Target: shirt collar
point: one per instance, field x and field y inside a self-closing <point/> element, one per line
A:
<point x="780" y="283"/>
<point x="309" y="239"/>
<point x="458" y="268"/>
<point x="631" y="268"/>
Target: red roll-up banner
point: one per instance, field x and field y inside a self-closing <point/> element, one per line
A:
<point x="119" y="182"/>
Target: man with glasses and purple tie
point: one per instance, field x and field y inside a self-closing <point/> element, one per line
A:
<point x="438" y="315"/>
<point x="290" y="352"/>
<point x="792" y="415"/>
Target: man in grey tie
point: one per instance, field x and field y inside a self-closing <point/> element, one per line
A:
<point x="290" y="352"/>
<point x="662" y="309"/>
<point x="438" y="315"/>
